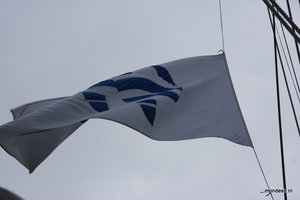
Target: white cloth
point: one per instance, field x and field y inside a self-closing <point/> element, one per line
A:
<point x="183" y="99"/>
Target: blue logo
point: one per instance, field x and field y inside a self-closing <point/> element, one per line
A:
<point x="147" y="102"/>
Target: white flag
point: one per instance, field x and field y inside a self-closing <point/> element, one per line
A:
<point x="183" y="99"/>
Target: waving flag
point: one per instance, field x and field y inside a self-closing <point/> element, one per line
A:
<point x="183" y="99"/>
<point x="7" y="195"/>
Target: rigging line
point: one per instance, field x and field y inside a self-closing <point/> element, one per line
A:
<point x="221" y="23"/>
<point x="278" y="106"/>
<point x="296" y="89"/>
<point x="293" y="81"/>
<point x="287" y="18"/>
<point x="282" y="20"/>
<point x="263" y="173"/>
<point x="285" y="79"/>
<point x="295" y="75"/>
<point x="291" y="61"/>
<point x="290" y="15"/>
<point x="289" y="93"/>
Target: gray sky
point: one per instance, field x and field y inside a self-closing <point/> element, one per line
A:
<point x="57" y="48"/>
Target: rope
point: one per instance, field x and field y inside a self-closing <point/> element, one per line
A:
<point x="263" y="173"/>
<point x="278" y="106"/>
<point x="282" y="20"/>
<point x="221" y="23"/>
<point x="294" y="74"/>
<point x="289" y="93"/>
<point x="292" y="64"/>
<point x="290" y="15"/>
<point x="287" y="18"/>
<point x="285" y="79"/>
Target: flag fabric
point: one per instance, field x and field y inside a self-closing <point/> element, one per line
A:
<point x="8" y="195"/>
<point x="183" y="99"/>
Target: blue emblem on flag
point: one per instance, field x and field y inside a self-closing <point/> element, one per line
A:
<point x="147" y="102"/>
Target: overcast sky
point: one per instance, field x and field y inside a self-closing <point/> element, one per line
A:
<point x="57" y="48"/>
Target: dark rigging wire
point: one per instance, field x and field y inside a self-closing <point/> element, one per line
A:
<point x="278" y="105"/>
<point x="290" y="15"/>
<point x="279" y="11"/>
<point x="286" y="82"/>
<point x="283" y="18"/>
<point x="287" y="47"/>
<point x="285" y="78"/>
<point x="294" y="76"/>
<point x="289" y="93"/>
<point x="277" y="54"/>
